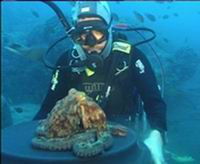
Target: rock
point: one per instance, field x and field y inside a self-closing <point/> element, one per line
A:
<point x="24" y="80"/>
<point x="6" y="118"/>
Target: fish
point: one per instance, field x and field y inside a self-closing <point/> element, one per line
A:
<point x="115" y="17"/>
<point x="19" y="109"/>
<point x="31" y="53"/>
<point x="165" y="17"/>
<point x="35" y="14"/>
<point x="16" y="46"/>
<point x="166" y="40"/>
<point x="168" y="7"/>
<point x="175" y="14"/>
<point x="139" y="16"/>
<point x="151" y="17"/>
<point x="12" y="50"/>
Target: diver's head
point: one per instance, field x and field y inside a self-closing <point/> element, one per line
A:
<point x="92" y="34"/>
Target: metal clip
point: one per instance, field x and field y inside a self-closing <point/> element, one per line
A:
<point x="121" y="70"/>
<point x="108" y="91"/>
<point x="54" y="80"/>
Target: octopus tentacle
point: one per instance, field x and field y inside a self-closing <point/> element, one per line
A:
<point x="93" y="147"/>
<point x="52" y="144"/>
<point x="62" y="143"/>
<point x="106" y="139"/>
<point x="87" y="149"/>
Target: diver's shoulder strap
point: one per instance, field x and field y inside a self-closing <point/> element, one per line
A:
<point x="122" y="46"/>
<point x="122" y="51"/>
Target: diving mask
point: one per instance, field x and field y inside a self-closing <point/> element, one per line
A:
<point x="90" y="33"/>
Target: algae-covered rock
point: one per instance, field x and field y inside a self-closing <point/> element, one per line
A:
<point x="6" y="118"/>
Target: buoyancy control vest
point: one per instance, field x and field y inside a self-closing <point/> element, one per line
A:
<point x="111" y="88"/>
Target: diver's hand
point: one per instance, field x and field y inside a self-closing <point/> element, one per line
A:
<point x="155" y="144"/>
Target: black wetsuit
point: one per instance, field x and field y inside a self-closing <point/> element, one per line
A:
<point x="123" y="88"/>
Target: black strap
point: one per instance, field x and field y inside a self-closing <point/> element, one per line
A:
<point x="111" y="77"/>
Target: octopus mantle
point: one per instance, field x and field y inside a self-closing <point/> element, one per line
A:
<point x="76" y="123"/>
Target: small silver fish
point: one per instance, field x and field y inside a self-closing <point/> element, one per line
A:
<point x="166" y="40"/>
<point x="139" y="16"/>
<point x="151" y="17"/>
<point x="175" y="14"/>
<point x="35" y="14"/>
<point x="165" y="17"/>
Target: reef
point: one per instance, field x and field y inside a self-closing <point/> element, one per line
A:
<point x="76" y="123"/>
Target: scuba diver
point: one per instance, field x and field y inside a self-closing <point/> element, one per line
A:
<point x="109" y="69"/>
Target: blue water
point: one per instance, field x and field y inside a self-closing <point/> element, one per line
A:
<point x="182" y="93"/>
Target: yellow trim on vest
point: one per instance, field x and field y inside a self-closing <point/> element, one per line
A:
<point x="89" y="72"/>
<point x="121" y="46"/>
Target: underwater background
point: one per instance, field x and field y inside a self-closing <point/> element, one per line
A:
<point x="29" y="28"/>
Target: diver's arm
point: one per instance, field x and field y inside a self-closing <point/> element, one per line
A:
<point x="154" y="105"/>
<point x="57" y="90"/>
<point x="146" y="83"/>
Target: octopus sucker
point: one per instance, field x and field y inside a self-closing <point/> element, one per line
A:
<point x="75" y="123"/>
<point x="84" y="149"/>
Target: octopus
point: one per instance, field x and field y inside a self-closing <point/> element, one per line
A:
<point x="76" y="123"/>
